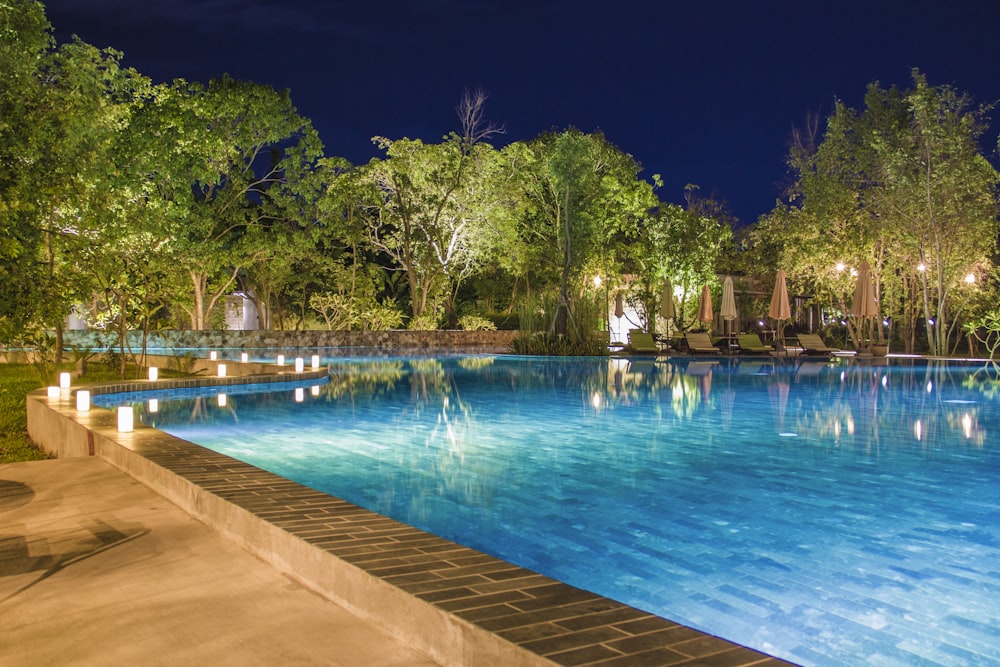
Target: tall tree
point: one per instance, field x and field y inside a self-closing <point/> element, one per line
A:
<point x="902" y="185"/>
<point x="235" y="140"/>
<point x="580" y="190"/>
<point x="430" y="207"/>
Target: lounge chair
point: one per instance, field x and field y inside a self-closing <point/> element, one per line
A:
<point x="813" y="345"/>
<point x="701" y="343"/>
<point x="751" y="344"/>
<point x="640" y="342"/>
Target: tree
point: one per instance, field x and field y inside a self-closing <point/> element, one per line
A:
<point x="901" y="185"/>
<point x="430" y="206"/>
<point x="580" y="191"/>
<point x="683" y="244"/>
<point x="943" y="191"/>
<point x="79" y="101"/>
<point x="234" y="141"/>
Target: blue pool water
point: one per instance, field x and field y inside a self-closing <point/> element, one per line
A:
<point x="829" y="513"/>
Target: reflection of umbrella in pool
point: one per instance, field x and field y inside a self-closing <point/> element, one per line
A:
<point x="705" y="307"/>
<point x="728" y="309"/>
<point x="667" y="301"/>
<point x="779" y="309"/>
<point x="778" y="392"/>
<point x="864" y="306"/>
<point x="619" y="305"/>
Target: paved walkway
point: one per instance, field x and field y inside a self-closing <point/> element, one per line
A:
<point x="96" y="569"/>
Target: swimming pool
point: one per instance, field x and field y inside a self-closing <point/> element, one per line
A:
<point x="825" y="512"/>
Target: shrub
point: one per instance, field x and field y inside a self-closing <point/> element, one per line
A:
<point x="423" y="323"/>
<point x="476" y="323"/>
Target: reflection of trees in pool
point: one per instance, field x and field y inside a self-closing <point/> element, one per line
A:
<point x="364" y="382"/>
<point x="920" y="407"/>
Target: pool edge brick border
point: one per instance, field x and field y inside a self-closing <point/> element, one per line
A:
<point x="458" y="605"/>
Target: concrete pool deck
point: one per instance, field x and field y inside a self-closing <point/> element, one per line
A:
<point x="436" y="598"/>
<point x="97" y="569"/>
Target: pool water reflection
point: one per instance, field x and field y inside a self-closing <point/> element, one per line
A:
<point x="826" y="512"/>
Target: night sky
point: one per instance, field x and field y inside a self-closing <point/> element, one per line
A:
<point x="703" y="92"/>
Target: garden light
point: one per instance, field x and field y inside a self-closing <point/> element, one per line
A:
<point x="126" y="420"/>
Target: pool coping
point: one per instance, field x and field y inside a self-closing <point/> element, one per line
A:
<point x="457" y="605"/>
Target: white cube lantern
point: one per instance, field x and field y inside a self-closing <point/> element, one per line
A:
<point x="213" y="355"/>
<point x="52" y="391"/>
<point x="222" y="370"/>
<point x="126" y="420"/>
<point x="315" y="361"/>
<point x="300" y="364"/>
<point x="154" y="373"/>
<point x="83" y="400"/>
<point x="281" y="360"/>
<point x="244" y="357"/>
<point x="64" y="380"/>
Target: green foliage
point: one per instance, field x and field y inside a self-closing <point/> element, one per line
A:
<point x="583" y="323"/>
<point x="476" y="323"/>
<point x="550" y="344"/>
<point x="902" y="185"/>
<point x="423" y="323"/>
<point x="986" y="329"/>
<point x="16" y="381"/>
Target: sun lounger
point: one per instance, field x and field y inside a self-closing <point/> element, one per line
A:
<point x="642" y="343"/>
<point x="701" y="343"/>
<point x="751" y="344"/>
<point x="813" y="345"/>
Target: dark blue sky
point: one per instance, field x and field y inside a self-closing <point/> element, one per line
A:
<point x="699" y="92"/>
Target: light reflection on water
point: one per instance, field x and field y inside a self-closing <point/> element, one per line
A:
<point x="825" y="512"/>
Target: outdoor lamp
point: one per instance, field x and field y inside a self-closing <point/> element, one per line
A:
<point x="83" y="400"/>
<point x="281" y="360"/>
<point x="52" y="391"/>
<point x="213" y="355"/>
<point x="154" y="373"/>
<point x="64" y="380"/>
<point x="222" y="370"/>
<point x="244" y="357"/>
<point x="126" y="420"/>
<point x="300" y="364"/>
<point x="315" y="361"/>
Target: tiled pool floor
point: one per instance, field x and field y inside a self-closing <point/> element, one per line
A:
<point x="459" y="605"/>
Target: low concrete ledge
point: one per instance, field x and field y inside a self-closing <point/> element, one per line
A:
<point x="458" y="605"/>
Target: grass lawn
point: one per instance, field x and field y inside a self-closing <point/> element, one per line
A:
<point x="16" y="381"/>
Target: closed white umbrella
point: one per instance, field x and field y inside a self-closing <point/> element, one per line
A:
<point x="728" y="309"/>
<point x="667" y="301"/>
<point x="864" y="307"/>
